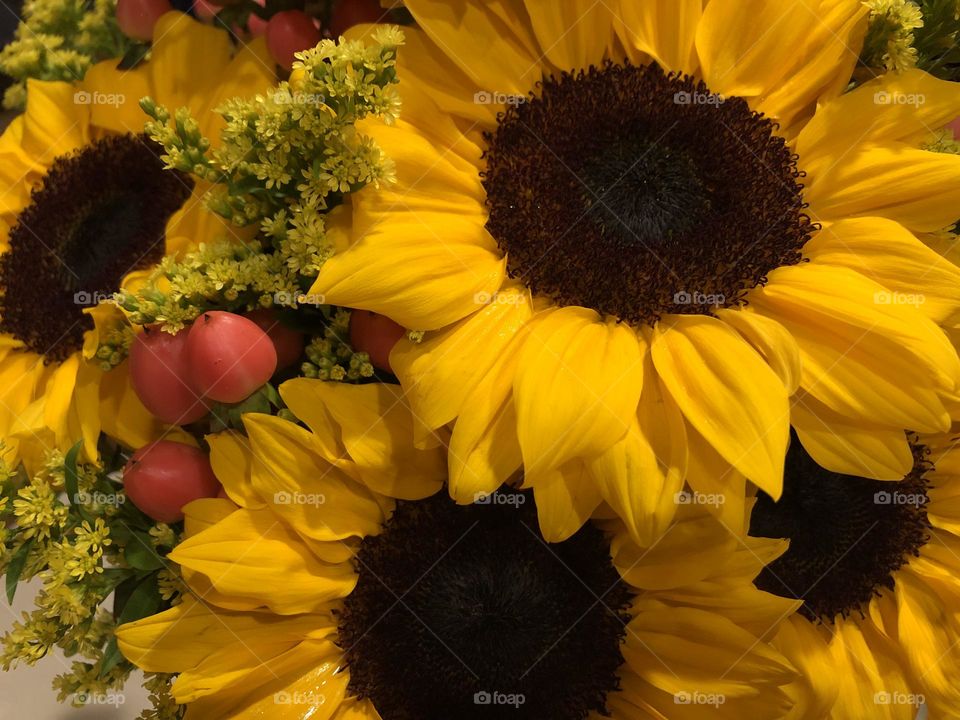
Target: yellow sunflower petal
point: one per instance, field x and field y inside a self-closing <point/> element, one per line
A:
<point x="204" y="513"/>
<point x="252" y="555"/>
<point x="232" y="459"/>
<point x="890" y="255"/>
<point x="214" y="649"/>
<point x="680" y="649"/>
<point x="576" y="390"/>
<point x="690" y="550"/>
<point x="122" y="415"/>
<point x="188" y="60"/>
<point x="484" y="446"/>
<point x="472" y="31"/>
<point x="118" y="93"/>
<point x="305" y="682"/>
<point x="843" y="325"/>
<point x="426" y="73"/>
<point x="927" y="633"/>
<point x="916" y="188"/>
<point x="566" y="498"/>
<point x="868" y="671"/>
<point x="54" y="123"/>
<point x="376" y="429"/>
<point x="893" y="107"/>
<point x="782" y="55"/>
<point x="815" y="691"/>
<point x="292" y="477"/>
<point x="663" y="29"/>
<point x="403" y="270"/>
<point x="574" y="34"/>
<point x="728" y="393"/>
<point x="846" y="446"/>
<point x="443" y="369"/>
<point x="771" y="340"/>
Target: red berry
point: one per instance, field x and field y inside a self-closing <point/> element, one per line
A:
<point x="160" y="377"/>
<point x="289" y="32"/>
<point x="229" y="356"/>
<point x="205" y="9"/>
<point x="137" y="18"/>
<point x="348" y="13"/>
<point x="375" y="335"/>
<point x="164" y="476"/>
<point x="287" y="342"/>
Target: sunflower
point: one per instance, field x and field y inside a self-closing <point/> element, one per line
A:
<point x="85" y="203"/>
<point x="337" y="582"/>
<point x="876" y="565"/>
<point x="643" y="239"/>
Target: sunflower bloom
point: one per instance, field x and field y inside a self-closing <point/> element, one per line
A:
<point x="86" y="203"/>
<point x="643" y="239"/>
<point x="337" y="582"/>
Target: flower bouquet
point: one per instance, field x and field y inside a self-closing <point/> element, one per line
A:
<point x="372" y="360"/>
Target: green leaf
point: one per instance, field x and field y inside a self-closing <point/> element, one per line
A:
<point x="71" y="480"/>
<point x="141" y="555"/>
<point x="15" y="568"/>
<point x="134" y="56"/>
<point x="111" y="657"/>
<point x="142" y="602"/>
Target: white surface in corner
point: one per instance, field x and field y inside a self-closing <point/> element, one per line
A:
<point x="27" y="692"/>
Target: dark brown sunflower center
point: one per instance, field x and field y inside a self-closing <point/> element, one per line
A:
<point x="465" y="612"/>
<point x="848" y="535"/>
<point x="638" y="193"/>
<point x="100" y="213"/>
